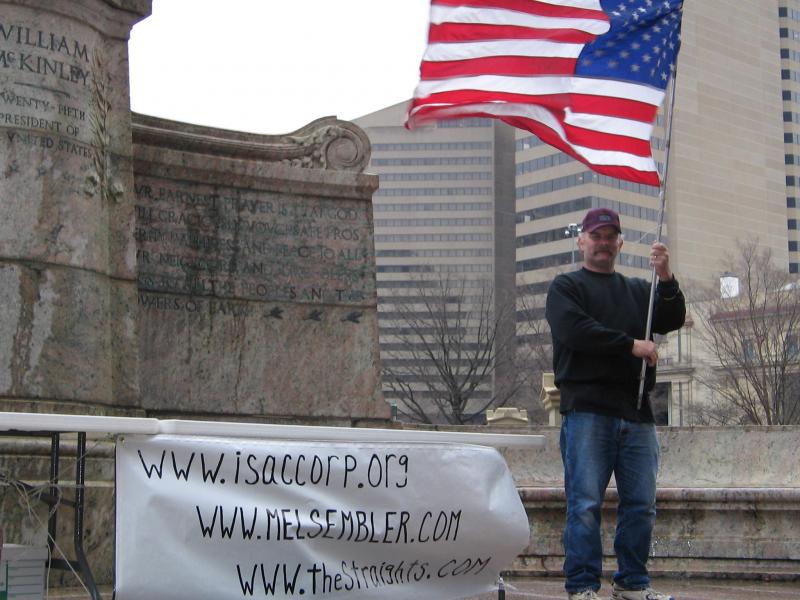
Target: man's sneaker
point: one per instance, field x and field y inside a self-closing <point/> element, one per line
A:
<point x="584" y="595"/>
<point x="620" y="593"/>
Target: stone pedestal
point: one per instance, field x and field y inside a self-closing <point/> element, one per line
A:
<point x="551" y="398"/>
<point x="67" y="253"/>
<point x="506" y="416"/>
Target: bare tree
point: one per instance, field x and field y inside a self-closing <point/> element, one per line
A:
<point x="718" y="411"/>
<point x="444" y="347"/>
<point x="534" y="350"/>
<point x="752" y="339"/>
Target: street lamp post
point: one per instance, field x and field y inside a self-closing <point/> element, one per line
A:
<point x="572" y="230"/>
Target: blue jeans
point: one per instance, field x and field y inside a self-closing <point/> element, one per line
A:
<point x="592" y="447"/>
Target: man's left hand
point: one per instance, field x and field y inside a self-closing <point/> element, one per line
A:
<point x="659" y="258"/>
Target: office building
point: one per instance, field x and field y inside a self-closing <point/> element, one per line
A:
<point x="444" y="216"/>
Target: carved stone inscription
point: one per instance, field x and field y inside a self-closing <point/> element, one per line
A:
<point x="45" y="87"/>
<point x="228" y="243"/>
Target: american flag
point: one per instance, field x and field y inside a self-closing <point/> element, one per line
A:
<point x="585" y="76"/>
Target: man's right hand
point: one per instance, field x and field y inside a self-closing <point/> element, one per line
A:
<point x="647" y="350"/>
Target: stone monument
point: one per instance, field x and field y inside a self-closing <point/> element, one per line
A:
<point x="162" y="268"/>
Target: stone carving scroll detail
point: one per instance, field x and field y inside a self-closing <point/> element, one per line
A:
<point x="336" y="147"/>
<point x="326" y="143"/>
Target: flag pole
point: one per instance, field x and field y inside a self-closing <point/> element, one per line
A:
<point x="663" y="201"/>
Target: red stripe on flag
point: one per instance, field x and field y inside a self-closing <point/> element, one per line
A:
<point x="548" y="136"/>
<point x="579" y="103"/>
<point x="606" y="141"/>
<point x="497" y="65"/>
<point x="428" y="104"/>
<point x="465" y="32"/>
<point x="614" y="107"/>
<point x="544" y="9"/>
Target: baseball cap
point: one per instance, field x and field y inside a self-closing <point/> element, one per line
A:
<point x="600" y="217"/>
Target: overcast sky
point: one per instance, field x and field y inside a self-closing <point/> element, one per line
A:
<point x="271" y="66"/>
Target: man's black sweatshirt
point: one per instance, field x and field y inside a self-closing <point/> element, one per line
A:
<point x="594" y="319"/>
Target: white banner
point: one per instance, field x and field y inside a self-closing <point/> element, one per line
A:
<point x="236" y="519"/>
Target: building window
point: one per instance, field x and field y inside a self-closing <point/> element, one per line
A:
<point x="660" y="401"/>
<point x="528" y="142"/>
<point x="632" y="260"/>
<point x="472" y="122"/>
<point x="584" y="203"/>
<point x="584" y="178"/>
<point x="431" y="160"/>
<point x="785" y="12"/>
<point x="407" y="146"/>
<point x="554" y="260"/>
<point x="434" y="269"/>
<point x="457" y="176"/>
<point x="785" y="32"/>
<point x="435" y="252"/>
<point x="432" y="207"/>
<point x="791" y="223"/>
<point x="793" y="267"/>
<point x="465" y="191"/>
<point x="790" y="117"/>
<point x="551" y="160"/>
<point x="792" y="246"/>
<point x="433" y="237"/>
<point x="448" y="222"/>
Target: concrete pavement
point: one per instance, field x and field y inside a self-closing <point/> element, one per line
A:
<point x="681" y="589"/>
<point x="553" y="589"/>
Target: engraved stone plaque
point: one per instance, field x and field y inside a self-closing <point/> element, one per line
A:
<point x="229" y="243"/>
<point x="255" y="270"/>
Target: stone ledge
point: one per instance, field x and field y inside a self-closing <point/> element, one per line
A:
<point x="750" y="532"/>
<point x="724" y="498"/>
<point x="536" y="567"/>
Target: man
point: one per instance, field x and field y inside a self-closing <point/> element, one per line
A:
<point x="598" y="320"/>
